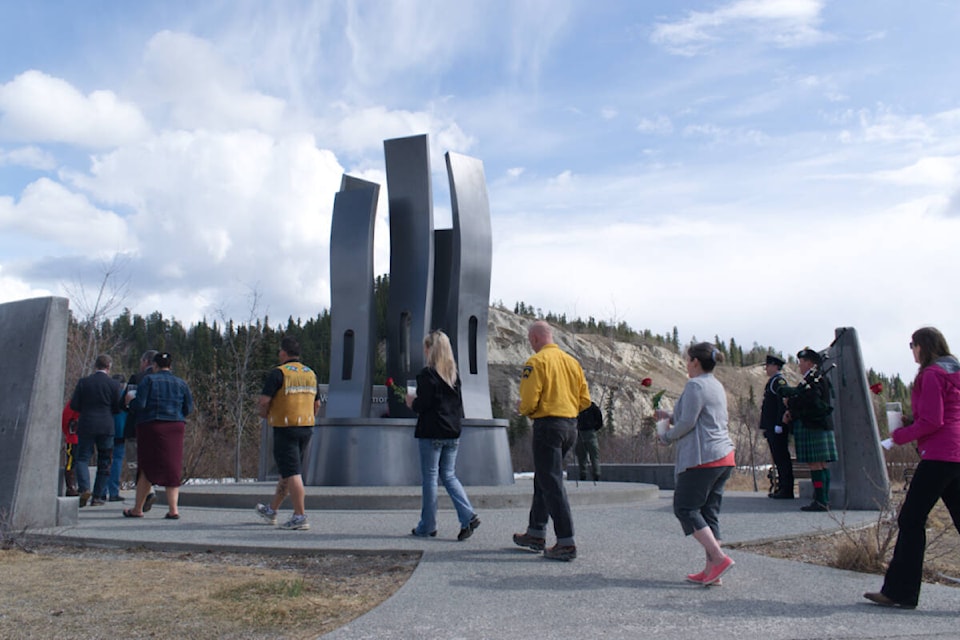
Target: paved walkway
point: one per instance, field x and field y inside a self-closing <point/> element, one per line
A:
<point x="626" y="583"/>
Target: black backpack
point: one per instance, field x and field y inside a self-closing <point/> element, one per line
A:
<point x="590" y="419"/>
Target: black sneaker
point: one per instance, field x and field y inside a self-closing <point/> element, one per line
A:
<point x="528" y="541"/>
<point x="815" y="506"/>
<point x="565" y="553"/>
<point x="467" y="531"/>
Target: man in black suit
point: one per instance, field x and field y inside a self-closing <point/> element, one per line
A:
<point x="775" y="431"/>
<point x="97" y="398"/>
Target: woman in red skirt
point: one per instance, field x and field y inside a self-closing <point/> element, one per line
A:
<point x="162" y="402"/>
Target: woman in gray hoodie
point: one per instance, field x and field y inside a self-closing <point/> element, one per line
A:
<point x="705" y="458"/>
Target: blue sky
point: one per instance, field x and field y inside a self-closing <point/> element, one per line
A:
<point x="766" y="170"/>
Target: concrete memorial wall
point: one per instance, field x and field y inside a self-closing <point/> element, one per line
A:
<point x="33" y="341"/>
<point x="859" y="476"/>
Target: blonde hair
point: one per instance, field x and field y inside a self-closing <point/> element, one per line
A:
<point x="440" y="356"/>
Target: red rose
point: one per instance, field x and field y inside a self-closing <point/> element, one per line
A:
<point x="646" y="382"/>
<point x="389" y="382"/>
<point x="877" y="387"/>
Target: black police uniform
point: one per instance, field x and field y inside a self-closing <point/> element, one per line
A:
<point x="771" y="416"/>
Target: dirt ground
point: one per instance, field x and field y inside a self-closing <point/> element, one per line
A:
<point x="867" y="549"/>
<point x="50" y="591"/>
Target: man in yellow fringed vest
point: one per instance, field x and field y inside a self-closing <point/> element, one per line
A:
<point x="290" y="402"/>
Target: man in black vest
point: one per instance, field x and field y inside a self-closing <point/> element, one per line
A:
<point x="97" y="398"/>
<point x="776" y="433"/>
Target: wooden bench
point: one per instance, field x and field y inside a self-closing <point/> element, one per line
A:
<point x="801" y="471"/>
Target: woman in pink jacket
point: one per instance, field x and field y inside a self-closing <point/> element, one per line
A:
<point x="936" y="429"/>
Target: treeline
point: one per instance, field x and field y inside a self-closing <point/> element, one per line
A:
<point x="210" y="347"/>
<point x="217" y="347"/>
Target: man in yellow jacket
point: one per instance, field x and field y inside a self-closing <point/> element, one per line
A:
<point x="553" y="391"/>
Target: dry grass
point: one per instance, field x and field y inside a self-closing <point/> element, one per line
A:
<point x="867" y="549"/>
<point x="66" y="592"/>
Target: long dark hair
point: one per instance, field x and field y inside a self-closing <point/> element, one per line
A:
<point x="932" y="345"/>
<point x="707" y="354"/>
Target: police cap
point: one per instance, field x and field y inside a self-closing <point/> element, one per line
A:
<point x="771" y="359"/>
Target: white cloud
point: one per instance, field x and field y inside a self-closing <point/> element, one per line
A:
<point x="48" y="212"/>
<point x="783" y="23"/>
<point x="660" y="125"/>
<point x="31" y="157"/>
<point x="562" y="180"/>
<point x="717" y="133"/>
<point x="13" y="288"/>
<point x="36" y="107"/>
<point x="364" y="130"/>
<point x="933" y="172"/>
<point x="230" y="208"/>
<point x="187" y="76"/>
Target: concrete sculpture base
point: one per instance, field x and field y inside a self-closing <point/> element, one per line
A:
<point x="369" y="452"/>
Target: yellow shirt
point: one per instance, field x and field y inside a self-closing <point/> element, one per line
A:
<point x="553" y="385"/>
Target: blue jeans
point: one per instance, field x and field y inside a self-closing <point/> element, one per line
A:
<point x="438" y="459"/>
<point x="104" y="445"/>
<point x="552" y="439"/>
<point x="116" y="468"/>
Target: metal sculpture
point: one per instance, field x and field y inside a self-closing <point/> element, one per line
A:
<point x="438" y="279"/>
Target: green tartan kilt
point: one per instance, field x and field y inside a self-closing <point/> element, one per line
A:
<point x="814" y="445"/>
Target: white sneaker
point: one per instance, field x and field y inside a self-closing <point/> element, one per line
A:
<point x="296" y="522"/>
<point x="268" y="514"/>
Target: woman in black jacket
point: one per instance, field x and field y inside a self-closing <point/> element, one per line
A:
<point x="439" y="412"/>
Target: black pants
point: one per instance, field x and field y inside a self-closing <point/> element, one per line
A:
<point x="932" y="481"/>
<point x="780" y="452"/>
<point x="552" y="439"/>
<point x="588" y="446"/>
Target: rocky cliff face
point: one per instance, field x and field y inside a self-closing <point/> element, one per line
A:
<point x="613" y="369"/>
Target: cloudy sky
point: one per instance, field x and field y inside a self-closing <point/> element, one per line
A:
<point x="766" y="170"/>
